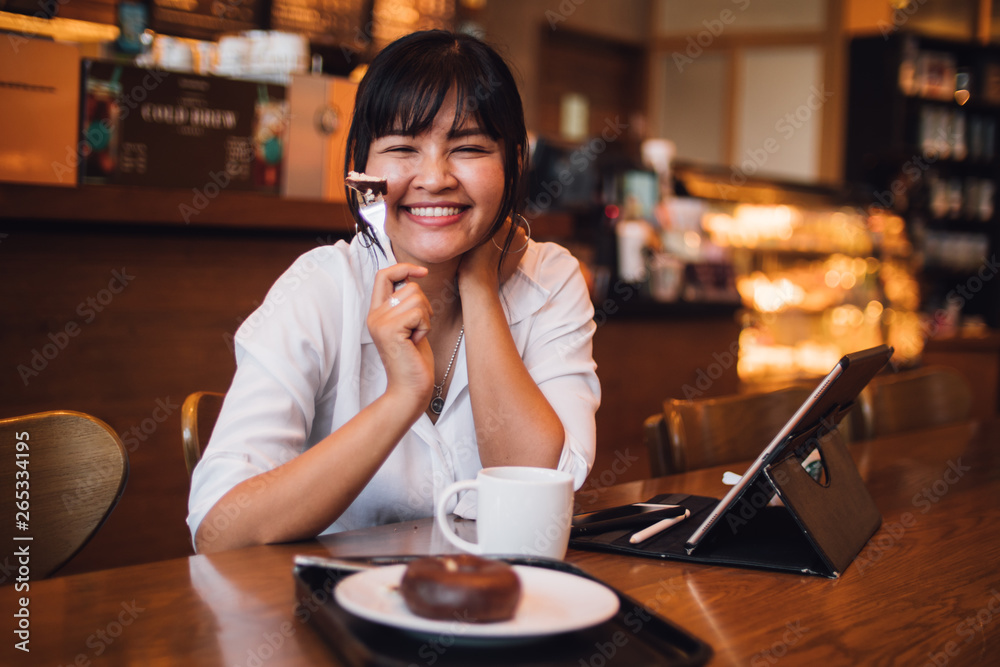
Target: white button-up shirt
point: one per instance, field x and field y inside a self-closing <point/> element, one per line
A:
<point x="306" y="365"/>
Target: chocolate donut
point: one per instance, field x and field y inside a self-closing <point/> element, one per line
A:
<point x="462" y="587"/>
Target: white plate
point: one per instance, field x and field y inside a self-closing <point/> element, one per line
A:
<point x="551" y="602"/>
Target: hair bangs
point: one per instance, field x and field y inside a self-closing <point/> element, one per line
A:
<point x="413" y="110"/>
<point x="420" y="96"/>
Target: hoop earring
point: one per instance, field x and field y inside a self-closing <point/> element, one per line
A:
<point x="527" y="227"/>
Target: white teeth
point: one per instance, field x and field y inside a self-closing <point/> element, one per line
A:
<point x="434" y="211"/>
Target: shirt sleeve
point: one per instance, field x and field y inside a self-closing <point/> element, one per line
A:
<point x="269" y="409"/>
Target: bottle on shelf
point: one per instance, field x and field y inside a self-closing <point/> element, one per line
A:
<point x="133" y="18"/>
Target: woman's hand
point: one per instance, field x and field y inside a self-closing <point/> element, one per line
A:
<point x="499" y="381"/>
<point x="480" y="263"/>
<point x="400" y="334"/>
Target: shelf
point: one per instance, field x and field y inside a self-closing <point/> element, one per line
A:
<point x="884" y="153"/>
<point x="644" y="308"/>
<point x="800" y="253"/>
<point x="973" y="105"/>
<point x="136" y="206"/>
<point x="165" y="206"/>
<point x="960" y="225"/>
<point x="988" y="342"/>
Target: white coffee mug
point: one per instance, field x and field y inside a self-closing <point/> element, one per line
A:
<point x="523" y="511"/>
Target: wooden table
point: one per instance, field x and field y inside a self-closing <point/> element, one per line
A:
<point x="925" y="590"/>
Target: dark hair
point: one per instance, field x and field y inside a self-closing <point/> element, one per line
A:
<point x="407" y="83"/>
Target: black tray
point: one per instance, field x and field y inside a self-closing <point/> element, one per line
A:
<point x="634" y="637"/>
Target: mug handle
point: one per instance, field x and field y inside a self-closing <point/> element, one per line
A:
<point x="442" y="517"/>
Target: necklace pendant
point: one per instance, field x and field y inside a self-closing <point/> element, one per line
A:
<point x="437" y="405"/>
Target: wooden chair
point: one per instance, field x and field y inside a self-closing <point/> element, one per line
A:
<point x="692" y="434"/>
<point x="198" y="415"/>
<point x="64" y="472"/>
<point x="921" y="398"/>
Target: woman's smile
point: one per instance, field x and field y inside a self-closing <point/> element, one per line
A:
<point x="448" y="212"/>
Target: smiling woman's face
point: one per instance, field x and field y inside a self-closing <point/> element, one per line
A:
<point x="445" y="188"/>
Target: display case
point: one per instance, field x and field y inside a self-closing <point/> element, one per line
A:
<point x="921" y="143"/>
<point x="817" y="275"/>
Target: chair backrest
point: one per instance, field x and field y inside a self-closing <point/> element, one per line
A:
<point x="692" y="434"/>
<point x="198" y="415"/>
<point x="921" y="398"/>
<point x="66" y="472"/>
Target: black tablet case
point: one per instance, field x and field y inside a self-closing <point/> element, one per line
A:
<point x="818" y="531"/>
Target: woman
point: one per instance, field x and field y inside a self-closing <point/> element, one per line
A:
<point x="377" y="372"/>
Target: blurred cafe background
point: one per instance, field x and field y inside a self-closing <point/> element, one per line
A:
<point x="752" y="188"/>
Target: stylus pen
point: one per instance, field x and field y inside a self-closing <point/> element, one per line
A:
<point x="658" y="528"/>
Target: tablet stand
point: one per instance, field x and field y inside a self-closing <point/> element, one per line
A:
<point x="819" y="529"/>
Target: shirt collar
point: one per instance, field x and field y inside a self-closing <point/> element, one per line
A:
<point x="522" y="296"/>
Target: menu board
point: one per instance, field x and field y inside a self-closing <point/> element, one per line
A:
<point x="207" y="19"/>
<point x="327" y="22"/>
<point x="172" y="129"/>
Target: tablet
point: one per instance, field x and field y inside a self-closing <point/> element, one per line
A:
<point x="622" y="517"/>
<point x="826" y="405"/>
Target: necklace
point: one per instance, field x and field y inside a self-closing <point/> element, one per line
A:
<point x="437" y="403"/>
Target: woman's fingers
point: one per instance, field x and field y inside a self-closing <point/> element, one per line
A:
<point x="387" y="279"/>
<point x="400" y="311"/>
